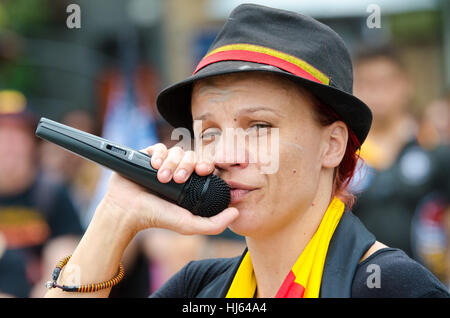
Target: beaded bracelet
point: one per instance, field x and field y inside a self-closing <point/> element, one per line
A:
<point x="88" y="288"/>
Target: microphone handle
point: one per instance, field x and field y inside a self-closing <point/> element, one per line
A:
<point x="130" y="163"/>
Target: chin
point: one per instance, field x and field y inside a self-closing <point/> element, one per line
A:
<point x="247" y="222"/>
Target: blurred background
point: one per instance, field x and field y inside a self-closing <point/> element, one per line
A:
<point x="101" y="70"/>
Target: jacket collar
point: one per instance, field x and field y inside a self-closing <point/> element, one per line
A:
<point x="349" y="243"/>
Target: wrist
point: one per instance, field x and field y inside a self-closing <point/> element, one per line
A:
<point x="115" y="218"/>
<point x="99" y="253"/>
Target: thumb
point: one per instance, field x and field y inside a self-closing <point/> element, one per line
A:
<point x="189" y="223"/>
<point x="219" y="222"/>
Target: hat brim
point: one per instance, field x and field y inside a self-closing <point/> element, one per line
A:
<point x="174" y="102"/>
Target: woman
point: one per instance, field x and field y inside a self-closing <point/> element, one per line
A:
<point x="300" y="242"/>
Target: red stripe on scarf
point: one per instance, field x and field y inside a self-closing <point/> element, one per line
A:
<point x="290" y="289"/>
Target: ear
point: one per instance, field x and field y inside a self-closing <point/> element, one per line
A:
<point x="335" y="140"/>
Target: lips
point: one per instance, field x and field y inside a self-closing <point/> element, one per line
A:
<point x="236" y="195"/>
<point x="238" y="191"/>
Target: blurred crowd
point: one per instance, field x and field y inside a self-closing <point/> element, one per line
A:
<point x="402" y="185"/>
<point x="48" y="195"/>
<point x="45" y="194"/>
<point x="403" y="180"/>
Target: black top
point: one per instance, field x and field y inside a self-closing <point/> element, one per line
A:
<point x="400" y="277"/>
<point x="403" y="204"/>
<point x="387" y="273"/>
<point x="43" y="211"/>
<point x="28" y="220"/>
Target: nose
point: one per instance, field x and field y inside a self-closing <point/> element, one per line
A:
<point x="222" y="166"/>
<point x="231" y="151"/>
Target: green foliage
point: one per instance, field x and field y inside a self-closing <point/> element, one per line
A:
<point x="23" y="15"/>
<point x="417" y="27"/>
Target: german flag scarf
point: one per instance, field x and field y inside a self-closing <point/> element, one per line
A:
<point x="304" y="279"/>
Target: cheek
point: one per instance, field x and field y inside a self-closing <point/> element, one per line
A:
<point x="285" y="192"/>
<point x="299" y="167"/>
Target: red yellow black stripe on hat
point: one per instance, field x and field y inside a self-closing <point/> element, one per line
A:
<point x="264" y="55"/>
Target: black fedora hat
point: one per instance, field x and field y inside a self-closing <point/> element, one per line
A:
<point x="261" y="39"/>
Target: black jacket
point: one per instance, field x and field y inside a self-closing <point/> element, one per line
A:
<point x="343" y="275"/>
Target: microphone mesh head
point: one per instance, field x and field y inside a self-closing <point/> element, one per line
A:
<point x="206" y="200"/>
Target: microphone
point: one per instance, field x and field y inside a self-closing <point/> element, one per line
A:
<point x="202" y="195"/>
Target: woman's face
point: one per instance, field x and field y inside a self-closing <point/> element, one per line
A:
<point x="383" y="86"/>
<point x="276" y="114"/>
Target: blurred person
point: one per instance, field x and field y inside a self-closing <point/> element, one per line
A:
<point x="431" y="224"/>
<point x="126" y="94"/>
<point x="169" y="251"/>
<point x="78" y="174"/>
<point x="161" y="253"/>
<point x="13" y="282"/>
<point x="37" y="218"/>
<point x="434" y="126"/>
<point x="404" y="188"/>
<point x="301" y="238"/>
<point x="447" y="256"/>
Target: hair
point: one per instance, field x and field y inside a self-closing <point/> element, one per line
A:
<point x="344" y="173"/>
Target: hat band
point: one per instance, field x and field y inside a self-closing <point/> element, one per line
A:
<point x="263" y="55"/>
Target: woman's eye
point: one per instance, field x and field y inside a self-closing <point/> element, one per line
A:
<point x="259" y="128"/>
<point x="208" y="134"/>
<point x="262" y="125"/>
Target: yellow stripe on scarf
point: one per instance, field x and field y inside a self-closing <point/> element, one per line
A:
<point x="308" y="268"/>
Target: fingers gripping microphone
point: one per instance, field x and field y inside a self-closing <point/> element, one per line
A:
<point x="202" y="195"/>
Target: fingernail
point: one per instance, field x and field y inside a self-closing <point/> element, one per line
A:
<point x="181" y="174"/>
<point x="165" y="174"/>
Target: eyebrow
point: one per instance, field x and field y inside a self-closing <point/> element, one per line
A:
<point x="244" y="111"/>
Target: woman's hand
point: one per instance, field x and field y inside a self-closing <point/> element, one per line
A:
<point x="128" y="208"/>
<point x="142" y="209"/>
